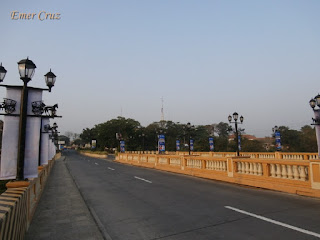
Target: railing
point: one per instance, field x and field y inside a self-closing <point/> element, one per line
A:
<point x="259" y="155"/>
<point x="275" y="171"/>
<point x="19" y="202"/>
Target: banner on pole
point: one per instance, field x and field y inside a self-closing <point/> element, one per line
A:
<point x="122" y="146"/>
<point x="211" y="144"/>
<point x="278" y="140"/>
<point x="191" y="144"/>
<point x="161" y="143"/>
<point x="239" y="142"/>
<point x="178" y="145"/>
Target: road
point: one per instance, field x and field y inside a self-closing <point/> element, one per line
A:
<point x="137" y="203"/>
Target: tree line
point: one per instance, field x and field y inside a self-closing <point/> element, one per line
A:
<point x="139" y="138"/>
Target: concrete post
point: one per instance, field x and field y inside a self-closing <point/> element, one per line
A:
<point x="317" y="116"/>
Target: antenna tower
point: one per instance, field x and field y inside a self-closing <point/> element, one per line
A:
<point x="162" y="114"/>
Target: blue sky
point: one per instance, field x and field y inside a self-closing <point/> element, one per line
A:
<point x="207" y="59"/>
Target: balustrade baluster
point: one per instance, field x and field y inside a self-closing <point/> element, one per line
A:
<point x="295" y="172"/>
<point x="302" y="173"/>
<point x="224" y="168"/>
<point x="246" y="168"/>
<point x="273" y="170"/>
<point x="284" y="171"/>
<point x="290" y="174"/>
<point x="250" y="168"/>
<point x="260" y="169"/>
<point x="239" y="170"/>
<point x="255" y="170"/>
<point x="243" y="167"/>
<point x="278" y="170"/>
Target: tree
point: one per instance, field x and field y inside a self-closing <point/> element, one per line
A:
<point x="251" y="145"/>
<point x="308" y="139"/>
<point x="222" y="129"/>
<point x="87" y="135"/>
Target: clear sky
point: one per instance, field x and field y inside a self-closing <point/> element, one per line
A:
<point x="207" y="59"/>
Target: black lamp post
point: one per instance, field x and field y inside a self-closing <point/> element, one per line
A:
<point x="143" y="142"/>
<point x="188" y="129"/>
<point x="316" y="120"/>
<point x="275" y="129"/>
<point x="235" y="118"/>
<point x="26" y="70"/>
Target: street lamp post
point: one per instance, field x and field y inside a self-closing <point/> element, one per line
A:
<point x="235" y="118"/>
<point x="316" y="120"/>
<point x="26" y="70"/>
<point x="142" y="142"/>
<point x="188" y="128"/>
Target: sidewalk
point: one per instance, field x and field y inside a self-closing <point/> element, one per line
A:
<point x="62" y="213"/>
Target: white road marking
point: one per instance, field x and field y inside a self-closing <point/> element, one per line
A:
<point x="142" y="179"/>
<point x="110" y="168"/>
<point x="96" y="163"/>
<point x="275" y="222"/>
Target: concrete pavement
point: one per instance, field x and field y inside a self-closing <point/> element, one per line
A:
<point x="62" y="212"/>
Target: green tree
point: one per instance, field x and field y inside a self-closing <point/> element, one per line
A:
<point x="251" y="146"/>
<point x="222" y="129"/>
<point x="308" y="139"/>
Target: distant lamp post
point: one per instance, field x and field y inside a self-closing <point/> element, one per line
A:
<point x="314" y="102"/>
<point x="26" y="70"/>
<point x="188" y="129"/>
<point x="142" y="135"/>
<point x="235" y="118"/>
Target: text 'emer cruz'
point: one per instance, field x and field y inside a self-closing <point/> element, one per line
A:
<point x="15" y="15"/>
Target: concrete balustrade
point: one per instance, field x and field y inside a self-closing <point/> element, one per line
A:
<point x="92" y="154"/>
<point x="260" y="155"/>
<point x="18" y="203"/>
<point x="175" y="161"/>
<point x="276" y="171"/>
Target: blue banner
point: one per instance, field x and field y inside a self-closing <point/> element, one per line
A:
<point x="122" y="146"/>
<point x="178" y="145"/>
<point x="278" y="140"/>
<point x="191" y="144"/>
<point x="211" y="144"/>
<point x="239" y="142"/>
<point x="161" y="143"/>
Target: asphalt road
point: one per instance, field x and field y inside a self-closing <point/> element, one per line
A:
<point x="137" y="203"/>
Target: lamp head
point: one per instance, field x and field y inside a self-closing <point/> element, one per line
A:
<point x="50" y="79"/>
<point x="317" y="98"/>
<point x="26" y="69"/>
<point x="3" y="72"/>
<point x="235" y="116"/>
